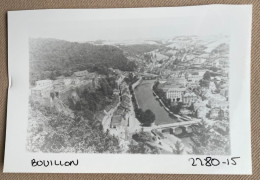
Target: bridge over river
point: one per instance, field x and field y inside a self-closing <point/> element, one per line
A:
<point x="178" y="124"/>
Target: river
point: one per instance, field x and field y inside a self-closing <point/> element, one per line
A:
<point x="146" y="100"/>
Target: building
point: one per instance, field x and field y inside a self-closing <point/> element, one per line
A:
<point x="181" y="80"/>
<point x="116" y="92"/>
<point x="224" y="90"/>
<point x="189" y="57"/>
<point x="126" y="99"/>
<point x="195" y="76"/>
<point x="214" y="102"/>
<point x="217" y="113"/>
<point x="81" y="73"/>
<point x="43" y="83"/>
<point x="75" y="82"/>
<point x="214" y="113"/>
<point x="116" y="121"/>
<point x="178" y="74"/>
<point x="67" y="81"/>
<point x="59" y="86"/>
<point x="220" y="62"/>
<point x="91" y="75"/>
<point x="174" y="93"/>
<point x="42" y="89"/>
<point x="198" y="61"/>
<point x="189" y="97"/>
<point x="119" y="80"/>
<point x="162" y="81"/>
<point x="192" y="85"/>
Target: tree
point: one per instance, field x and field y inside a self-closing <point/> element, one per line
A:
<point x="207" y="76"/>
<point x="141" y="148"/>
<point x="178" y="149"/>
<point x="177" y="108"/>
<point x="221" y="114"/>
<point x="137" y="148"/>
<point x="142" y="137"/>
<point x="204" y="83"/>
<point x="191" y="107"/>
<point x="148" y="117"/>
<point x="207" y="141"/>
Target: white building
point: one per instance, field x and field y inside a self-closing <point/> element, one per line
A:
<point x="174" y="93"/>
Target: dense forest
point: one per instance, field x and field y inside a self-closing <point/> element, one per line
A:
<point x="50" y="58"/>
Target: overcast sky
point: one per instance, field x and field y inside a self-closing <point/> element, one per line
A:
<point x="127" y="29"/>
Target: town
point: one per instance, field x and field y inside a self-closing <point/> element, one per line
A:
<point x="175" y="101"/>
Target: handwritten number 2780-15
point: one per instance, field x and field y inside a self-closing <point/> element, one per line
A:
<point x="209" y="161"/>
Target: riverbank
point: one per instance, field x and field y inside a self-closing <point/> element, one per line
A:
<point x="179" y="117"/>
<point x="146" y="100"/>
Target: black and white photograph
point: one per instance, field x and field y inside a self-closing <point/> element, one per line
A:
<point x="154" y="96"/>
<point x="147" y="82"/>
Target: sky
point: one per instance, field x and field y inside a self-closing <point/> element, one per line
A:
<point x="120" y="29"/>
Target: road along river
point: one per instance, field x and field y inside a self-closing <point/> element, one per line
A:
<point x="146" y="100"/>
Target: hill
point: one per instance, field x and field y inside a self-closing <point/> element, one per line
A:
<point x="50" y="58"/>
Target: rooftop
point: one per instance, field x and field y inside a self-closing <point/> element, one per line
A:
<point x="116" y="120"/>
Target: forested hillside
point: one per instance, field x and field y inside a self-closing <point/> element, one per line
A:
<point x="50" y="58"/>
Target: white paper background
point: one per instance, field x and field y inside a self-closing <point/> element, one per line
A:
<point x="230" y="19"/>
